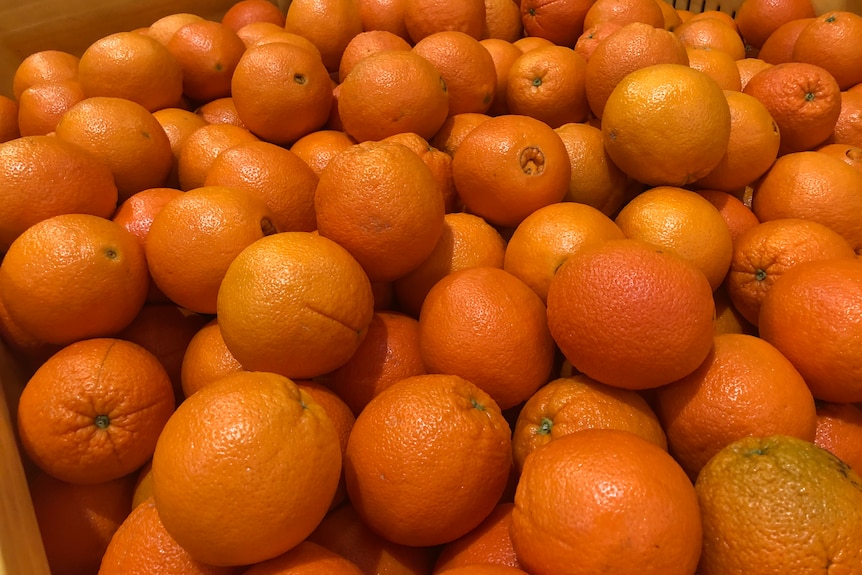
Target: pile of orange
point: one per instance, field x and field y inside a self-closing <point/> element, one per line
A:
<point x="422" y="287"/>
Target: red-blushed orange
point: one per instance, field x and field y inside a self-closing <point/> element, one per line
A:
<point x="382" y="203"/>
<point x="509" y="166"/>
<point x="581" y="500"/>
<point x="489" y="327"/>
<point x="451" y="426"/>
<point x="630" y="314"/>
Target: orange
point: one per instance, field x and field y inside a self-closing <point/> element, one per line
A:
<point x="711" y="33"/>
<point x="136" y="214"/>
<point x="758" y="19"/>
<point x="590" y="39"/>
<point x="94" y="410"/>
<point x="342" y="419"/>
<point x="625" y="50"/>
<point x="596" y="181"/>
<point x="727" y="317"/>
<point x="208" y="53"/>
<point x="778" y="47"/>
<point x="194" y="238"/>
<point x="741" y="488"/>
<point x="388" y="353"/>
<point x="270" y="503"/>
<point x="812" y="186"/>
<point x="839" y="426"/>
<point x="488" y="543"/>
<point x="280" y="35"/>
<point x="43" y="176"/>
<point x="832" y="41"/>
<point x="847" y="128"/>
<point x="248" y="11"/>
<point x="542" y="242"/>
<point x="570" y="404"/>
<point x="624" y="12"/>
<point x="803" y="99"/>
<point x="44" y="66"/>
<point x="466" y="67"/>
<point x="257" y="32"/>
<point x="456" y="429"/>
<point x="178" y="125"/>
<point x="29" y="351"/>
<point x="465" y="241"/>
<point x="141" y="545"/>
<point x="466" y="329"/>
<point x="276" y="175"/>
<point x="509" y="166"/>
<point x="306" y="558"/>
<point x="382" y="203"/>
<point x="344" y="532"/>
<point x="528" y="43"/>
<point x="385" y="15"/>
<point x="850" y="155"/>
<point x="582" y="498"/>
<point x="391" y="92"/>
<point x="484" y="569"/>
<point x="558" y="22"/>
<point x="548" y="84"/>
<point x="753" y="147"/>
<point x="367" y="43"/>
<point x="9" y="128"/>
<point x="425" y="17"/>
<point x="748" y="67"/>
<point x="738" y="217"/>
<point x="768" y="250"/>
<point x="40" y="107"/>
<point x="745" y="387"/>
<point x="294" y="303"/>
<point x="717" y="64"/>
<point x="329" y="24"/>
<point x="817" y="295"/>
<point x="76" y="522"/>
<point x="166" y="26"/>
<point x="666" y="124"/>
<point x="438" y="161"/>
<point x="317" y="148"/>
<point x="133" y="66"/>
<point x="671" y="17"/>
<point x="220" y="111"/>
<point x="276" y="110"/>
<point x="631" y="315"/>
<point x="503" y="20"/>
<point x="165" y="330"/>
<point x="455" y="129"/>
<point x="125" y="136"/>
<point x="199" y="149"/>
<point x="683" y="222"/>
<point x="143" y="484"/>
<point x="206" y="359"/>
<point x="74" y="276"/>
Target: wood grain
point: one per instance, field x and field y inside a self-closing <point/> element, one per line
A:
<point x="21" y="548"/>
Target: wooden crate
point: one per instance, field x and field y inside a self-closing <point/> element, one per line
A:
<point x="71" y="25"/>
<point x="27" y="26"/>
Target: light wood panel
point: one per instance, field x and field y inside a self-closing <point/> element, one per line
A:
<point x="21" y="548"/>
